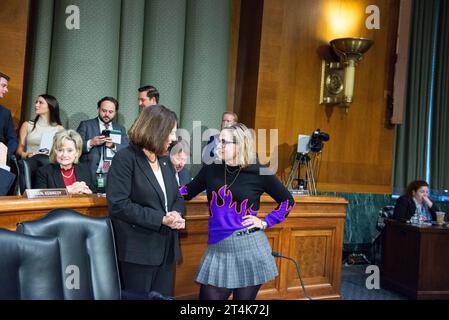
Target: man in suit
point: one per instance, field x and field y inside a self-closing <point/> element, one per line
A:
<point x="7" y="131"/>
<point x="179" y="154"/>
<point x="6" y="178"/>
<point x="148" y="96"/>
<point x="102" y="139"/>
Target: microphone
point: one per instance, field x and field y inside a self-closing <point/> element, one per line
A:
<point x="278" y="255"/>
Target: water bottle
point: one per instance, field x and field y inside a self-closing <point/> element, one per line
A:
<point x="421" y="219"/>
<point x="415" y="218"/>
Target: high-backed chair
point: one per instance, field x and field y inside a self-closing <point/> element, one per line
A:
<point x="88" y="258"/>
<point x="29" y="267"/>
<point x="377" y="245"/>
<point x="28" y="169"/>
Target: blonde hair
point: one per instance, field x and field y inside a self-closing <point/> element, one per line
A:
<point x="66" y="135"/>
<point x="245" y="144"/>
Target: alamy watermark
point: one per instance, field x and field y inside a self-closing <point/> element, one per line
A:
<point x="373" y="280"/>
<point x="373" y="20"/>
<point x="72" y="22"/>
<point x="208" y="153"/>
<point x="72" y="282"/>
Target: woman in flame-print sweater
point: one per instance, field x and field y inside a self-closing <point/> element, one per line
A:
<point x="238" y="259"/>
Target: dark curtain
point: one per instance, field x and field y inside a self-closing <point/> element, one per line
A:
<point x="440" y="122"/>
<point x="411" y="137"/>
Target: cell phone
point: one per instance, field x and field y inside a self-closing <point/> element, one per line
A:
<point x="106" y="133"/>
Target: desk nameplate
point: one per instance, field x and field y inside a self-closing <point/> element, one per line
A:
<point x="46" y="193"/>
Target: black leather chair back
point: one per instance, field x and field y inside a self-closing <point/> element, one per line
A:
<point x="14" y="165"/>
<point x="87" y="250"/>
<point x="28" y="168"/>
<point x="29" y="267"/>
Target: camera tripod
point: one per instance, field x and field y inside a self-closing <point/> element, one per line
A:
<point x="303" y="159"/>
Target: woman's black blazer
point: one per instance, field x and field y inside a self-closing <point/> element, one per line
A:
<point x="50" y="176"/>
<point x="136" y="205"/>
<point x="405" y="209"/>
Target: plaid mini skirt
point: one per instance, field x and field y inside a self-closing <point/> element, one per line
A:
<point x="240" y="260"/>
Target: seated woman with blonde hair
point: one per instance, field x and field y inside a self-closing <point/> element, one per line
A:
<point x="31" y="132"/>
<point x="64" y="170"/>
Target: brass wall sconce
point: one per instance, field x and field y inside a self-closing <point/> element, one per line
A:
<point x="337" y="78"/>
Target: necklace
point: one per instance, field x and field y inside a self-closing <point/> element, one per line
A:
<point x="148" y="154"/>
<point x="231" y="172"/>
<point x="152" y="161"/>
<point x="70" y="175"/>
<point x="226" y="170"/>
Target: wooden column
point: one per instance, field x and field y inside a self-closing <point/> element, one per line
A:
<point x="13" y="42"/>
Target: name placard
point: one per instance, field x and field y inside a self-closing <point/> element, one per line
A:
<point x="46" y="193"/>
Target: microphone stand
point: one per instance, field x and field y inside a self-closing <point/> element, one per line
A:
<point x="278" y="255"/>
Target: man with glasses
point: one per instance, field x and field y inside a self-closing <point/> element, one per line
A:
<point x="179" y="155"/>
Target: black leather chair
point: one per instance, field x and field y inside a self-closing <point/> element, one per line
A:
<point x="377" y="249"/>
<point x="87" y="250"/>
<point x="14" y="165"/>
<point x="29" y="267"/>
<point x="28" y="168"/>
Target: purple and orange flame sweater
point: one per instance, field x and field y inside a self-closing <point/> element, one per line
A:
<point x="228" y="206"/>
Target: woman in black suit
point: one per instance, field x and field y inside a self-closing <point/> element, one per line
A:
<point x="64" y="171"/>
<point x="415" y="200"/>
<point x="145" y="205"/>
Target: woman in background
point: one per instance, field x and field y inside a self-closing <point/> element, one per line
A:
<point x="415" y="200"/>
<point x="47" y="120"/>
<point x="64" y="170"/>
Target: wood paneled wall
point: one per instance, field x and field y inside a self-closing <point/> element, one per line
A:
<point x="358" y="157"/>
<point x="13" y="40"/>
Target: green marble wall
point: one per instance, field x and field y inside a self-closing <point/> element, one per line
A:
<point x="361" y="217"/>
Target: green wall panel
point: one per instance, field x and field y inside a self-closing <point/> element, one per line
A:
<point x="130" y="60"/>
<point x="84" y="62"/>
<point x="163" y="49"/>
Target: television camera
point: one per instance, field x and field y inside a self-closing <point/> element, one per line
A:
<point x="307" y="155"/>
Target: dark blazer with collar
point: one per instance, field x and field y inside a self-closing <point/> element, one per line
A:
<point x="7" y="131"/>
<point x="405" y="209"/>
<point x="50" y="176"/>
<point x="184" y="176"/>
<point x="89" y="129"/>
<point x="6" y="180"/>
<point x="136" y="205"/>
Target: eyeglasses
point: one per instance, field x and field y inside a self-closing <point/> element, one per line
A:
<point x="225" y="142"/>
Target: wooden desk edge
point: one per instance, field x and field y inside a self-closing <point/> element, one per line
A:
<point x="11" y="203"/>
